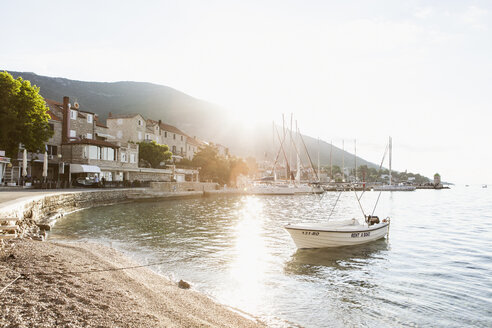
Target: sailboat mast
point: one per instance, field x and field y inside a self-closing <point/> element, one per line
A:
<point x="343" y="160"/>
<point x="285" y="157"/>
<point x="290" y="146"/>
<point x="390" y="155"/>
<point x="331" y="164"/>
<point x="296" y="146"/>
<point x="319" y="177"/>
<point x="355" y="158"/>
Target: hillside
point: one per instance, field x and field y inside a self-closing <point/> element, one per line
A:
<point x="194" y="116"/>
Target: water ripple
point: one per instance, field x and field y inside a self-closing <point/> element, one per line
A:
<point x="433" y="270"/>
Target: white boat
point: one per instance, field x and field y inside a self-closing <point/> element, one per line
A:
<point x="337" y="233"/>
<point x="307" y="189"/>
<point x="270" y="189"/>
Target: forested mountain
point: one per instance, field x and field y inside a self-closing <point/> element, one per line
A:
<point x="194" y="116"/>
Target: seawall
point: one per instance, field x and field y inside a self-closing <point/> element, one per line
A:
<point x="37" y="212"/>
<point x="42" y="209"/>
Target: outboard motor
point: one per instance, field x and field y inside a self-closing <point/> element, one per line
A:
<point x="372" y="219"/>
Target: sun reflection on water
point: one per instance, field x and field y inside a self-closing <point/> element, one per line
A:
<point x="247" y="270"/>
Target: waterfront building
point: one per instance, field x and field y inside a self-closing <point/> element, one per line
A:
<point x="127" y="127"/>
<point x="170" y="135"/>
<point x="4" y="163"/>
<point x="221" y="150"/>
<point x="89" y="148"/>
<point x="193" y="145"/>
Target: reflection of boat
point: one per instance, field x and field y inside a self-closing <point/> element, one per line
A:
<point x="338" y="233"/>
<point x="307" y="261"/>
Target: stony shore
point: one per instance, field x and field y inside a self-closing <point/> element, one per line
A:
<point x="81" y="285"/>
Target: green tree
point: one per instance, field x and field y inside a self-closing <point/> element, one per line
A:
<point x="23" y="116"/>
<point x="153" y="153"/>
<point x="207" y="159"/>
<point x="217" y="168"/>
<point x="237" y="166"/>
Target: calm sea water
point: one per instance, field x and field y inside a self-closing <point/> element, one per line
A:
<point x="434" y="270"/>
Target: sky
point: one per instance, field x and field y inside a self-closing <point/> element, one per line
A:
<point x="419" y="71"/>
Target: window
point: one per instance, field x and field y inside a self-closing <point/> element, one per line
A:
<point x="174" y="136"/>
<point x="110" y="155"/>
<point x="174" y="149"/>
<point x="73" y="114"/>
<point x="140" y="123"/>
<point x="132" y="158"/>
<point x="73" y="134"/>
<point x="119" y="134"/>
<point x="52" y="127"/>
<point x="139" y="135"/>
<point x="88" y="136"/>
<point x="181" y="150"/>
<point x="165" y="134"/>
<point x="93" y="152"/>
<point x="181" y="138"/>
<point x="119" y="121"/>
<point x="89" y="118"/>
<point x="107" y="154"/>
<point x="52" y="150"/>
<point x="123" y="157"/>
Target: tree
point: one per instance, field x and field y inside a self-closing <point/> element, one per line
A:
<point x="217" y="168"/>
<point x="208" y="161"/>
<point x="23" y="116"/>
<point x="237" y="167"/>
<point x="154" y="153"/>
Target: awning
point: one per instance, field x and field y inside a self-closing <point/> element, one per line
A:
<point x="105" y="135"/>
<point x="80" y="168"/>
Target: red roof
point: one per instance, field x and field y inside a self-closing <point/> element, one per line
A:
<point x="129" y="115"/>
<point x="167" y="127"/>
<point x="53" y="116"/>
<point x="92" y="142"/>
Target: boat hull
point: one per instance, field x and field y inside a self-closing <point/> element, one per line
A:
<point x="304" y="237"/>
<point x="270" y="190"/>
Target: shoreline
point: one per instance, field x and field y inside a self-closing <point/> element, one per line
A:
<point x="50" y="298"/>
<point x="82" y="284"/>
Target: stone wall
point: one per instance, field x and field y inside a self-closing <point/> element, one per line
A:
<point x="35" y="209"/>
<point x="148" y="176"/>
<point x="183" y="186"/>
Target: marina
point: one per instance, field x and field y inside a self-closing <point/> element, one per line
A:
<point x="407" y="276"/>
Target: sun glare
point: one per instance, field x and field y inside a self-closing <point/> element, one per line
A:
<point x="247" y="269"/>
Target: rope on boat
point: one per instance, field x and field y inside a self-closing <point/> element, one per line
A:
<point x="377" y="200"/>
<point x="360" y="205"/>
<point x="333" y="209"/>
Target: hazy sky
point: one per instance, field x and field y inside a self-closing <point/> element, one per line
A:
<point x="420" y="71"/>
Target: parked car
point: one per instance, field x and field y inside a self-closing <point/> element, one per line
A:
<point x="88" y="182"/>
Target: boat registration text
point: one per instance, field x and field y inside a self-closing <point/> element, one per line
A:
<point x="361" y="234"/>
<point x="310" y="233"/>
